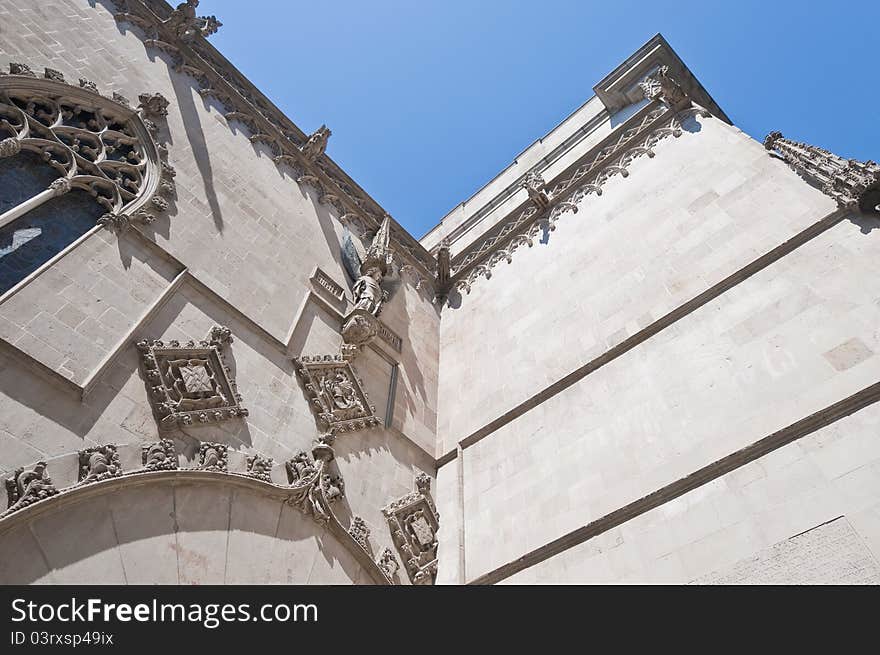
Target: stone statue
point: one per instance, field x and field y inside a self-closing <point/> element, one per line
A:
<point x="368" y="293"/>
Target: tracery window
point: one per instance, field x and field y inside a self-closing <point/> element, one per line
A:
<point x="70" y="160"/>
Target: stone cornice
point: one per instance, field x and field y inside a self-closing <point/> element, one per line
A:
<point x="634" y="138"/>
<point x="243" y="102"/>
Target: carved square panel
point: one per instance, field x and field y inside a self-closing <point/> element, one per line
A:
<point x="414" y="523"/>
<point x="337" y="393"/>
<point x="190" y="383"/>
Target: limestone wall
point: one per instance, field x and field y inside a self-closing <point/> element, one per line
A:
<point x="238" y="247"/>
<point x="592" y="400"/>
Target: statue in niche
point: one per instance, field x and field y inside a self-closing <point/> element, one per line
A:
<point x="367" y="291"/>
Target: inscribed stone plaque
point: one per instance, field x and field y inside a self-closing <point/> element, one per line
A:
<point x="832" y="553"/>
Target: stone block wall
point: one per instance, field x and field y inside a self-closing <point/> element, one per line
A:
<point x="237" y="247"/>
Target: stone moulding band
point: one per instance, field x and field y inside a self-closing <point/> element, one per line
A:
<point x="547" y="203"/>
<point x="867" y="396"/>
<point x="292" y="495"/>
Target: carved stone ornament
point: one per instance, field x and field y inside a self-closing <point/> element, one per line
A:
<point x="314" y="487"/>
<point x="533" y="183"/>
<point x="337" y="394"/>
<point x="99" y="463"/>
<point x="387" y="562"/>
<point x="213" y="457"/>
<point x="186" y="25"/>
<point x="852" y="183"/>
<point x="189" y="383"/>
<point x="660" y="86"/>
<point x="96" y="144"/>
<point x="360" y="532"/>
<point x="636" y="138"/>
<point x="159" y="456"/>
<point x="27" y="486"/>
<point x="153" y="105"/>
<point x="260" y="467"/>
<point x="414" y="523"/>
<point x="316" y="144"/>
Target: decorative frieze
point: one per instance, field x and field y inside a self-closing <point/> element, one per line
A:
<point x="190" y="383"/>
<point x="626" y="145"/>
<point x="337" y="394"/>
<point x="99" y="463"/>
<point x="159" y="456"/>
<point x="414" y="522"/>
<point x="852" y="183"/>
<point x="27" y="486"/>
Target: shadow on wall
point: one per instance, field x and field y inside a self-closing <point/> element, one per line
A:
<point x="186" y="533"/>
<point x="55" y="406"/>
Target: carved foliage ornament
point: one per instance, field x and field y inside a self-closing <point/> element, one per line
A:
<point x="99" y="463"/>
<point x="159" y="456"/>
<point x="337" y="394"/>
<point x="96" y="144"/>
<point x="852" y="183"/>
<point x="414" y="523"/>
<point x="184" y="23"/>
<point x="190" y="383"/>
<point x="27" y="486"/>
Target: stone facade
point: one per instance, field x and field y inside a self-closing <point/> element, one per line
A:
<point x="643" y="352"/>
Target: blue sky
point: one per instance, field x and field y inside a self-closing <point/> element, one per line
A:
<point x="428" y="101"/>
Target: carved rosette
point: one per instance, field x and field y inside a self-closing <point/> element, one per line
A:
<point x="337" y="394"/>
<point x="414" y="522"/>
<point x="853" y="184"/>
<point x="190" y="384"/>
<point x="159" y="456"/>
<point x="28" y="486"/>
<point x="99" y="463"/>
<point x="97" y="144"/>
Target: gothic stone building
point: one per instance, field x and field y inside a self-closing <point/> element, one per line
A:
<point x="646" y="351"/>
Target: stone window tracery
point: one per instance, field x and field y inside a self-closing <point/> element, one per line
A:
<point x="70" y="159"/>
